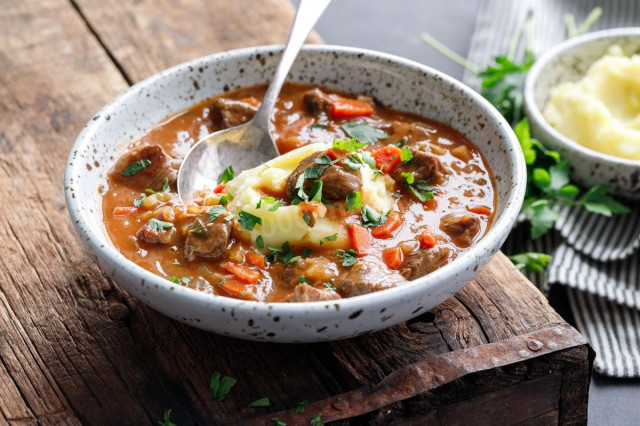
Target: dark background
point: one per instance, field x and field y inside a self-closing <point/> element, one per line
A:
<point x="395" y="27"/>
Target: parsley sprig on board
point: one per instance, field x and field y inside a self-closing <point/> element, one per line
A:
<point x="548" y="184"/>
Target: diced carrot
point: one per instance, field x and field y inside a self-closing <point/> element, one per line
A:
<point x="427" y="240"/>
<point x="349" y="108"/>
<point x="393" y="257"/>
<point x="360" y="239"/>
<point x="245" y="273"/>
<point x="250" y="101"/>
<point x="386" y="229"/>
<point x="484" y="210"/>
<point x="124" y="211"/>
<point x="236" y="288"/>
<point x="256" y="259"/>
<point x="218" y="189"/>
<point x="431" y="204"/>
<point x="387" y="158"/>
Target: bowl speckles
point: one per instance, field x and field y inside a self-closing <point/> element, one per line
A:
<point x="396" y="82"/>
<point x="569" y="61"/>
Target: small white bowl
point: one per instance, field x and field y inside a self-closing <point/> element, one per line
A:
<point x="397" y="82"/>
<point x="569" y="61"/>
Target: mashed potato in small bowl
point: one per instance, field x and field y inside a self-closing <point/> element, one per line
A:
<point x="582" y="99"/>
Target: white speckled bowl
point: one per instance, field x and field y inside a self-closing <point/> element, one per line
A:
<point x="569" y="61"/>
<point x="397" y="82"/>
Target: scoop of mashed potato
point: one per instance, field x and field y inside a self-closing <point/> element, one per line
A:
<point x="602" y="110"/>
<point x="287" y="223"/>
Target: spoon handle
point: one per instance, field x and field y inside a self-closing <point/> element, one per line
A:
<point x="308" y="14"/>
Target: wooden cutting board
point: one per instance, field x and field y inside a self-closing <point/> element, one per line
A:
<point x="75" y="348"/>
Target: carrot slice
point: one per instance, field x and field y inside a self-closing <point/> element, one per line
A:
<point x="256" y="259"/>
<point x="393" y="257"/>
<point x="218" y="189"/>
<point x="235" y="288"/>
<point x="360" y="239"/>
<point x="387" y="158"/>
<point x="245" y="273"/>
<point x="484" y="210"/>
<point x="386" y="229"/>
<point x="349" y="108"/>
<point x="124" y="211"/>
<point x="427" y="240"/>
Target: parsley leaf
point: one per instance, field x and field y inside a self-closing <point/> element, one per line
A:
<point x="276" y="206"/>
<point x="303" y="279"/>
<point x="353" y="201"/>
<point x="221" y="386"/>
<point x="313" y="172"/>
<point x="406" y="155"/>
<point x="215" y="212"/>
<point x="597" y="200"/>
<point x="260" y="241"/>
<point x="542" y="217"/>
<point x="159" y="225"/>
<point x="349" y="257"/>
<point x="324" y="160"/>
<point x="198" y="229"/>
<point x="371" y="218"/>
<point x="138" y="203"/>
<point x="165" y="184"/>
<point x="278" y="422"/>
<point x="136" y="167"/>
<point x="166" y="421"/>
<point x="316" y="420"/>
<point x="363" y="132"/>
<point x="248" y="221"/>
<point x="269" y="200"/>
<point x="409" y="177"/>
<point x="316" y="191"/>
<point x="331" y="237"/>
<point x="318" y="126"/>
<point x="224" y="200"/>
<point x="422" y="196"/>
<point x="306" y="253"/>
<point x="226" y="175"/>
<point x="329" y="285"/>
<point x="262" y="402"/>
<point x="532" y="262"/>
<point x="349" y="145"/>
<point x="300" y="407"/>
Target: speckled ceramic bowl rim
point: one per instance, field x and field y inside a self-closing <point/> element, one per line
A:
<point x="535" y="113"/>
<point x="500" y="228"/>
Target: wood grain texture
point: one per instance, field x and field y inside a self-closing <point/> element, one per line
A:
<point x="74" y="348"/>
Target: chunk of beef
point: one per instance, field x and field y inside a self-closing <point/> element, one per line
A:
<point x="422" y="262"/>
<point x="208" y="239"/>
<point x="317" y="101"/>
<point x="307" y="293"/>
<point x="366" y="277"/>
<point x="336" y="182"/>
<point x="461" y="227"/>
<point x="152" y="176"/>
<point x="426" y="167"/>
<point x="233" y="112"/>
<point x="318" y="270"/>
<point x="156" y="236"/>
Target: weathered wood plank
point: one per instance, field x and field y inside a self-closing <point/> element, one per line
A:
<point x="74" y="347"/>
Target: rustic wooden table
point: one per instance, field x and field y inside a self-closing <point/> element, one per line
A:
<point x="74" y="348"/>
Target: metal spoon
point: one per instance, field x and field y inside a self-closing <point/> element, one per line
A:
<point x="250" y="144"/>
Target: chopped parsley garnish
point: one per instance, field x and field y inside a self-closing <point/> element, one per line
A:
<point x="215" y="212"/>
<point x="268" y="200"/>
<point x="226" y="175"/>
<point x="300" y="187"/>
<point x="306" y="253"/>
<point x="222" y="281"/>
<point x="165" y="184"/>
<point x="166" y="421"/>
<point x="174" y="279"/>
<point x="406" y="155"/>
<point x="313" y="172"/>
<point x="316" y="191"/>
<point x="318" y="126"/>
<point x="260" y="241"/>
<point x="224" y="200"/>
<point x="353" y="201"/>
<point x="198" y="229"/>
<point x="248" y="221"/>
<point x="363" y="132"/>
<point x="278" y="422"/>
<point x="409" y="177"/>
<point x="349" y="145"/>
<point x="276" y="206"/>
<point x="183" y="280"/>
<point x="349" y="257"/>
<point x="136" y="167"/>
<point x="262" y="402"/>
<point x="221" y="386"/>
<point x="307" y="219"/>
<point x="371" y="218"/>
<point x="532" y="262"/>
<point x="300" y="407"/>
<point x="316" y="420"/>
<point x="331" y="237"/>
<point x="138" y="203"/>
<point x="159" y="225"/>
<point x="324" y="160"/>
<point x="329" y="285"/>
<point x="422" y="196"/>
<point x="396" y="195"/>
<point x="285" y="254"/>
<point x="149" y="191"/>
<point x="303" y="279"/>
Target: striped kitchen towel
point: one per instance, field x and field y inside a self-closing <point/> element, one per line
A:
<point x="598" y="259"/>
